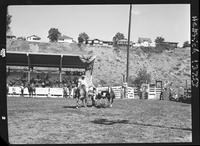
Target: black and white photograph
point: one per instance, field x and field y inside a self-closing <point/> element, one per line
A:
<point x="96" y="74"/>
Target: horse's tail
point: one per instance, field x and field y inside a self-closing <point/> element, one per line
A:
<point x="76" y="93"/>
<point x="112" y="93"/>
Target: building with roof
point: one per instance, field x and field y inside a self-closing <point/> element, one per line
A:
<point x="169" y="45"/>
<point x="65" y="39"/>
<point x="89" y="42"/>
<point x="32" y="60"/>
<point x="9" y="35"/>
<point x="124" y="42"/>
<point x="95" y="42"/>
<point x="107" y="43"/>
<point x="33" y="38"/>
<point x="146" y="42"/>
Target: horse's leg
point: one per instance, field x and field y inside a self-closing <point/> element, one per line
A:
<point x="100" y="101"/>
<point x="33" y="93"/>
<point x="111" y="101"/>
<point x="108" y="101"/>
<point x="84" y="100"/>
<point x="93" y="101"/>
<point x="77" y="100"/>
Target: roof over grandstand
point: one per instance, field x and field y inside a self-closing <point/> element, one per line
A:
<point x="14" y="58"/>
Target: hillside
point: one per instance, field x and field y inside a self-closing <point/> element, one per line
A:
<point x="111" y="64"/>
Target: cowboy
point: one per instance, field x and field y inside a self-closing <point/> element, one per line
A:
<point x="82" y="81"/>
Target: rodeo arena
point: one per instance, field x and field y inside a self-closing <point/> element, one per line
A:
<point x="59" y="76"/>
<point x="51" y="99"/>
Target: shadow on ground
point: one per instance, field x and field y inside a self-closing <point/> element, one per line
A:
<point x="109" y="122"/>
<point x="74" y="106"/>
<point x="101" y="106"/>
<point x="69" y="106"/>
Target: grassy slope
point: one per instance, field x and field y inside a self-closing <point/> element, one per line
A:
<point x="110" y="64"/>
<point x="175" y="66"/>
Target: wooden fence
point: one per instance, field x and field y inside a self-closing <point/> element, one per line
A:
<point x="39" y="92"/>
<point x="118" y="90"/>
<point x="154" y="93"/>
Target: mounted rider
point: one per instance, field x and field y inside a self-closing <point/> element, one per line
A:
<point x="82" y="81"/>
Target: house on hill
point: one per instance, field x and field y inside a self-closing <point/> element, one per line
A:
<point x="89" y="42"/>
<point x="33" y="38"/>
<point x="124" y="42"/>
<point x="107" y="43"/>
<point x="170" y="45"/>
<point x="146" y="42"/>
<point x="95" y="42"/>
<point x="65" y="39"/>
<point x="9" y="35"/>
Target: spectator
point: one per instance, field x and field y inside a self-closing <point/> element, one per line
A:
<point x="7" y="88"/>
<point x="22" y="89"/>
<point x="43" y="84"/>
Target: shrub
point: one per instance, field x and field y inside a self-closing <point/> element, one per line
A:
<point x="102" y="82"/>
<point x="151" y="49"/>
<point x="116" y="50"/>
<point x="163" y="46"/>
<point x="186" y="44"/>
<point x="142" y="77"/>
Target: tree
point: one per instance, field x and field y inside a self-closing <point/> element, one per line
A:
<point x="186" y="44"/>
<point x="53" y="34"/>
<point x="118" y="36"/>
<point x="8" y="21"/>
<point x="142" y="77"/>
<point x="82" y="37"/>
<point x="159" y="40"/>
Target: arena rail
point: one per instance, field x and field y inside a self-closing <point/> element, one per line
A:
<point x="154" y="93"/>
<point x="39" y="92"/>
<point x="118" y="91"/>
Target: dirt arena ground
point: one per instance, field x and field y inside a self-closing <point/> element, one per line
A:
<point x="57" y="121"/>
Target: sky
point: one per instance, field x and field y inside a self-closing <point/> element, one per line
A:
<point x="171" y="21"/>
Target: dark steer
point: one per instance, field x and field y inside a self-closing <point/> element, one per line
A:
<point x="107" y="94"/>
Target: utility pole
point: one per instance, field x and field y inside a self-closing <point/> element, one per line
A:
<point x="127" y="65"/>
<point x="129" y="30"/>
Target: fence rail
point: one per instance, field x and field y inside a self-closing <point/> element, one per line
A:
<point x="118" y="90"/>
<point x="133" y="93"/>
<point x="39" y="92"/>
<point x="154" y="93"/>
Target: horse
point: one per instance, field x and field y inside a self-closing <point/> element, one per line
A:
<point x="92" y="94"/>
<point x="81" y="94"/>
<point x="107" y="94"/>
<point x="31" y="90"/>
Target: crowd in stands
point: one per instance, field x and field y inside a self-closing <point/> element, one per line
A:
<point x="42" y="80"/>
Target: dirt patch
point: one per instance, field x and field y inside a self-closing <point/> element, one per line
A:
<point x="57" y="121"/>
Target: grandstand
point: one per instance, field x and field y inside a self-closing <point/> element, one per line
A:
<point x="54" y="70"/>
